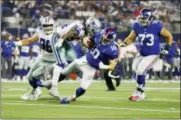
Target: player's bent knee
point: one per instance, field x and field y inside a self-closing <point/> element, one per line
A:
<point x="140" y="72"/>
<point x="85" y="84"/>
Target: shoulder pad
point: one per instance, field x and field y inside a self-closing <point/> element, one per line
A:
<point x="157" y="22"/>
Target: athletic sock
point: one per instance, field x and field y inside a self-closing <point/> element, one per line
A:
<point x="141" y="81"/>
<point x="80" y="91"/>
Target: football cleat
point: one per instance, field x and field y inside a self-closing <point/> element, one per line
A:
<point x="138" y="95"/>
<point x="28" y="95"/>
<point x="54" y="92"/>
<point x="65" y="100"/>
<point x="37" y="94"/>
<point x="142" y="96"/>
<point x="33" y="94"/>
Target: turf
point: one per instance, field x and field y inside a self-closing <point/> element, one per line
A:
<point x="163" y="101"/>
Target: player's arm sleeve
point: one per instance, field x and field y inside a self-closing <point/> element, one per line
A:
<point x="165" y="33"/>
<point x="28" y="41"/>
<point x="130" y="38"/>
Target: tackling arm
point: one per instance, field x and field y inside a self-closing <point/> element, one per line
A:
<point x="27" y="41"/>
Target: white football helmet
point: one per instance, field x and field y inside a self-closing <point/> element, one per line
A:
<point x="48" y="25"/>
<point x="93" y="25"/>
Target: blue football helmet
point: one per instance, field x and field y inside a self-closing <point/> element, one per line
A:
<point x="109" y="35"/>
<point x="145" y="17"/>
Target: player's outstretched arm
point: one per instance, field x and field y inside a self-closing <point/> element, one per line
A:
<point x="27" y="41"/>
<point x="111" y="66"/>
<point x="165" y="33"/>
<point x="129" y="39"/>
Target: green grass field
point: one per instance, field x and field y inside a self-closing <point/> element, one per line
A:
<point x="163" y="101"/>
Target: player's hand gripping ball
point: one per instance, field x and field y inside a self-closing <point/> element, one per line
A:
<point x="87" y="42"/>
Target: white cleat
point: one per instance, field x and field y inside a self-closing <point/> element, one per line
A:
<point x="54" y="92"/>
<point x="28" y="95"/>
<point x="37" y="94"/>
<point x="33" y="94"/>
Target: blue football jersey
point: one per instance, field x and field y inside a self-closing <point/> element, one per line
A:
<point x="77" y="47"/>
<point x="100" y="52"/>
<point x="149" y="37"/>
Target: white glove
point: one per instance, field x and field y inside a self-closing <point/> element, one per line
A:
<point x="102" y="66"/>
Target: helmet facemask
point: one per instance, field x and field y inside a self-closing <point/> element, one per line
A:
<point x="145" y="18"/>
<point x="48" y="29"/>
<point x="48" y="25"/>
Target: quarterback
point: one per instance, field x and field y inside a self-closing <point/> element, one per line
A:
<point x="103" y="54"/>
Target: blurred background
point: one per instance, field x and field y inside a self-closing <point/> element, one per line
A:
<point x="20" y="18"/>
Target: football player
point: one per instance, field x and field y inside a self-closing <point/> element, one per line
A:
<point x="103" y="54"/>
<point x="75" y="30"/>
<point x="148" y="32"/>
<point x="49" y="56"/>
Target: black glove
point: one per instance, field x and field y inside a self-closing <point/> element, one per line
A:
<point x="164" y="51"/>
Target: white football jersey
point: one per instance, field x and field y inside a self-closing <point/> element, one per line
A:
<point x="49" y="52"/>
<point x="46" y="52"/>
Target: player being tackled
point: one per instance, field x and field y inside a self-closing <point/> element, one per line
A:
<point x="102" y="55"/>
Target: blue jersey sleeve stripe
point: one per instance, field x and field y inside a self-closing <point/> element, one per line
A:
<point x="55" y="50"/>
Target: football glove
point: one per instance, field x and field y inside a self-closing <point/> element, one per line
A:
<point x="164" y="51"/>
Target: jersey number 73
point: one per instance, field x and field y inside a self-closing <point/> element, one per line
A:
<point x="150" y="37"/>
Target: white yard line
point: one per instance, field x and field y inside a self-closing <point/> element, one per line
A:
<point x="88" y="106"/>
<point x="93" y="97"/>
<point x="100" y="81"/>
<point x="147" y="89"/>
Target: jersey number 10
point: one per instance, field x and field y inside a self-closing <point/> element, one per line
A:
<point x="95" y="53"/>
